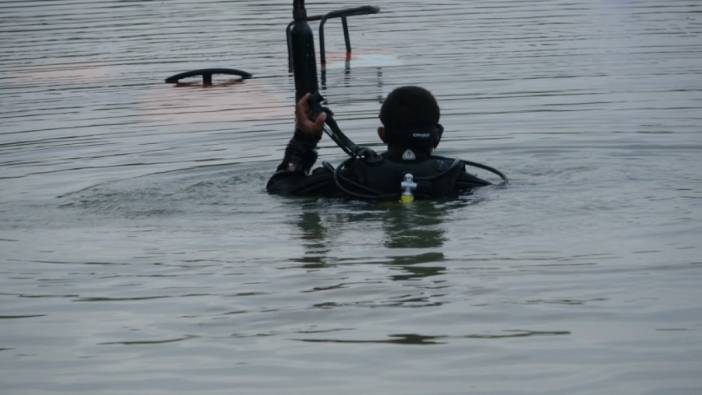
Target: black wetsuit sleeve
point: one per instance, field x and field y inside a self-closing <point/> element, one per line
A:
<point x="292" y="176"/>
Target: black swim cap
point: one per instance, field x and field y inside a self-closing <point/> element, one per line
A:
<point x="410" y="115"/>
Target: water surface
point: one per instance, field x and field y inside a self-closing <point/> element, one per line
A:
<point x="139" y="252"/>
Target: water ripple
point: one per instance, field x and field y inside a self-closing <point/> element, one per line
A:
<point x="133" y="212"/>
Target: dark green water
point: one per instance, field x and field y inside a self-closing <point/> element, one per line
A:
<point x="140" y="254"/>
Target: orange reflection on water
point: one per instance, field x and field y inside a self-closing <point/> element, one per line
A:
<point x="225" y="101"/>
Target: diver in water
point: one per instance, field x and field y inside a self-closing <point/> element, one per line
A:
<point x="411" y="131"/>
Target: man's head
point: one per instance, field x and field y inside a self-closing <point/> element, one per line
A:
<point x="410" y="117"/>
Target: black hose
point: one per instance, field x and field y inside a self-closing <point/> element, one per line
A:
<point x="504" y="178"/>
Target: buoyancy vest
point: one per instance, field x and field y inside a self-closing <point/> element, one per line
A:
<point x="436" y="177"/>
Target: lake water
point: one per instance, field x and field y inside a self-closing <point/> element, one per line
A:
<point x="140" y="254"/>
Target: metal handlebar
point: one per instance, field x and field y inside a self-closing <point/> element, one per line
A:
<point x="344" y="14"/>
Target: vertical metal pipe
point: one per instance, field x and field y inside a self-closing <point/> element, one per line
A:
<point x="347" y="37"/>
<point x="322" y="46"/>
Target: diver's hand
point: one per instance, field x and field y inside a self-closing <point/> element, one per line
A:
<point x="310" y="127"/>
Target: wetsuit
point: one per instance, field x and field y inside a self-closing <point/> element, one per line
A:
<point x="436" y="177"/>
